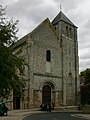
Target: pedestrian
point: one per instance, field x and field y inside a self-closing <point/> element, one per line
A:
<point x="47" y="107"/>
<point x="42" y="107"/>
<point x="79" y="107"/>
<point x="50" y="107"/>
<point x="53" y="105"/>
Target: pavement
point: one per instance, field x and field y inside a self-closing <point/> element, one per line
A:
<point x="81" y="115"/>
<point x="20" y="114"/>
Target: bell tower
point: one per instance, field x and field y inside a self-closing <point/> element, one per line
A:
<point x="67" y="33"/>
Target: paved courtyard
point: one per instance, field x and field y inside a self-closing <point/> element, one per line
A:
<point x="20" y="114"/>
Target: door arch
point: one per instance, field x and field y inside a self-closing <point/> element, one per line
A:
<point x="16" y="100"/>
<point x="46" y="94"/>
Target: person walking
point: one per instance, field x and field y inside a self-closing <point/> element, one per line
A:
<point x="50" y="107"/>
<point x="53" y="105"/>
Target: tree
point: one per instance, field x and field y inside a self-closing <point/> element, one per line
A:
<point x="11" y="67"/>
<point x="85" y="75"/>
<point x="85" y="86"/>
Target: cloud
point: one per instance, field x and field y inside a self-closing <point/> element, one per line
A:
<point x="32" y="13"/>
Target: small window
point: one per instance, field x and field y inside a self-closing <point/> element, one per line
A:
<point x="55" y="28"/>
<point x="70" y="32"/>
<point x="66" y="30"/>
<point x="69" y="64"/>
<point x="48" y="55"/>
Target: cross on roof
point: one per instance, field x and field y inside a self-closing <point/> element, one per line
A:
<point x="60" y="7"/>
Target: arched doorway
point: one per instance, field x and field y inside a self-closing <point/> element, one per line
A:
<point x="46" y="94"/>
<point x="16" y="100"/>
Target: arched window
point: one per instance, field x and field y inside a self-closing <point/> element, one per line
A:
<point x="70" y="32"/>
<point x="70" y="78"/>
<point x="66" y="30"/>
<point x="55" y="28"/>
<point x="48" y="55"/>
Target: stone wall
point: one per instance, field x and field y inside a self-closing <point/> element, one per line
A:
<point x="63" y="74"/>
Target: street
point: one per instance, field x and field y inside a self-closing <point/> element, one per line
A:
<point x="53" y="116"/>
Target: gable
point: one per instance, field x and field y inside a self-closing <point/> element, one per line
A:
<point x="45" y="34"/>
<point x="43" y="29"/>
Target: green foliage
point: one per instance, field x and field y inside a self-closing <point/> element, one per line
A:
<point x="11" y="67"/>
<point x="86" y="75"/>
<point x="8" y="29"/>
<point x="85" y="87"/>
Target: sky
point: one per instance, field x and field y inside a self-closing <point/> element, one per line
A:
<point x="31" y="13"/>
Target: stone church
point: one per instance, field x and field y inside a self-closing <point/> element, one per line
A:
<point x="52" y="74"/>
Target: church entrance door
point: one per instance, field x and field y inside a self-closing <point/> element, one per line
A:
<point x="16" y="100"/>
<point x="46" y="94"/>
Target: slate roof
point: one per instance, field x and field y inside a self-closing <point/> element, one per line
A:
<point x="61" y="17"/>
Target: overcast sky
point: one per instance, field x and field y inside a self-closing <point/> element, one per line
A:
<point x="30" y="13"/>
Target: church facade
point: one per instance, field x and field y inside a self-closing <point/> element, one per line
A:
<point x="52" y="72"/>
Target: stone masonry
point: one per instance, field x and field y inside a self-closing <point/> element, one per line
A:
<point x="52" y="70"/>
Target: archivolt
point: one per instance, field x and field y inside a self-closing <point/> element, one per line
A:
<point x="50" y="83"/>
